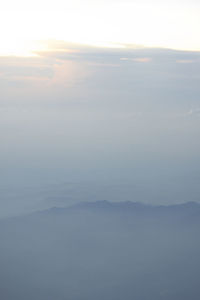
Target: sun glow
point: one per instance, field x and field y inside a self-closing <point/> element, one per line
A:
<point x="101" y="24"/>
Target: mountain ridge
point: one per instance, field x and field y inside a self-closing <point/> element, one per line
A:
<point x="125" y="207"/>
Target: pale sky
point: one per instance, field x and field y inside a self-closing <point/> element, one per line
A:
<point x="171" y="24"/>
<point x="74" y="112"/>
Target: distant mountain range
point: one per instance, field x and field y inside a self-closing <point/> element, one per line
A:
<point x="127" y="206"/>
<point x="188" y="210"/>
<point x="102" y="250"/>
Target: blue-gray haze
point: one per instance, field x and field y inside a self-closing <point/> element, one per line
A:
<point x="84" y="124"/>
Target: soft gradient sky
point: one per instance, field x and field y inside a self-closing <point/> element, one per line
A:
<point x="172" y="24"/>
<point x="93" y="108"/>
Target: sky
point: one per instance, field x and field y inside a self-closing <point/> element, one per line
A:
<point x="98" y="100"/>
<point x="26" y="24"/>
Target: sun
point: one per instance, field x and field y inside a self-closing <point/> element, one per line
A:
<point x="19" y="47"/>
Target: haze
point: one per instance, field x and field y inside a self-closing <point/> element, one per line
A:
<point x="100" y="150"/>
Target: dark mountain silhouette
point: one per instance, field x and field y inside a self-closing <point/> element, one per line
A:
<point x="105" y="205"/>
<point x="102" y="250"/>
<point x="189" y="211"/>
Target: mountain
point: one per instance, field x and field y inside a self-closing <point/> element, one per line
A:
<point x="102" y="250"/>
<point x="189" y="211"/>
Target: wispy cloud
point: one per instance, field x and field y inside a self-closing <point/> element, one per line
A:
<point x="193" y="112"/>
<point x="136" y="71"/>
<point x="185" y="61"/>
<point x="137" y="59"/>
